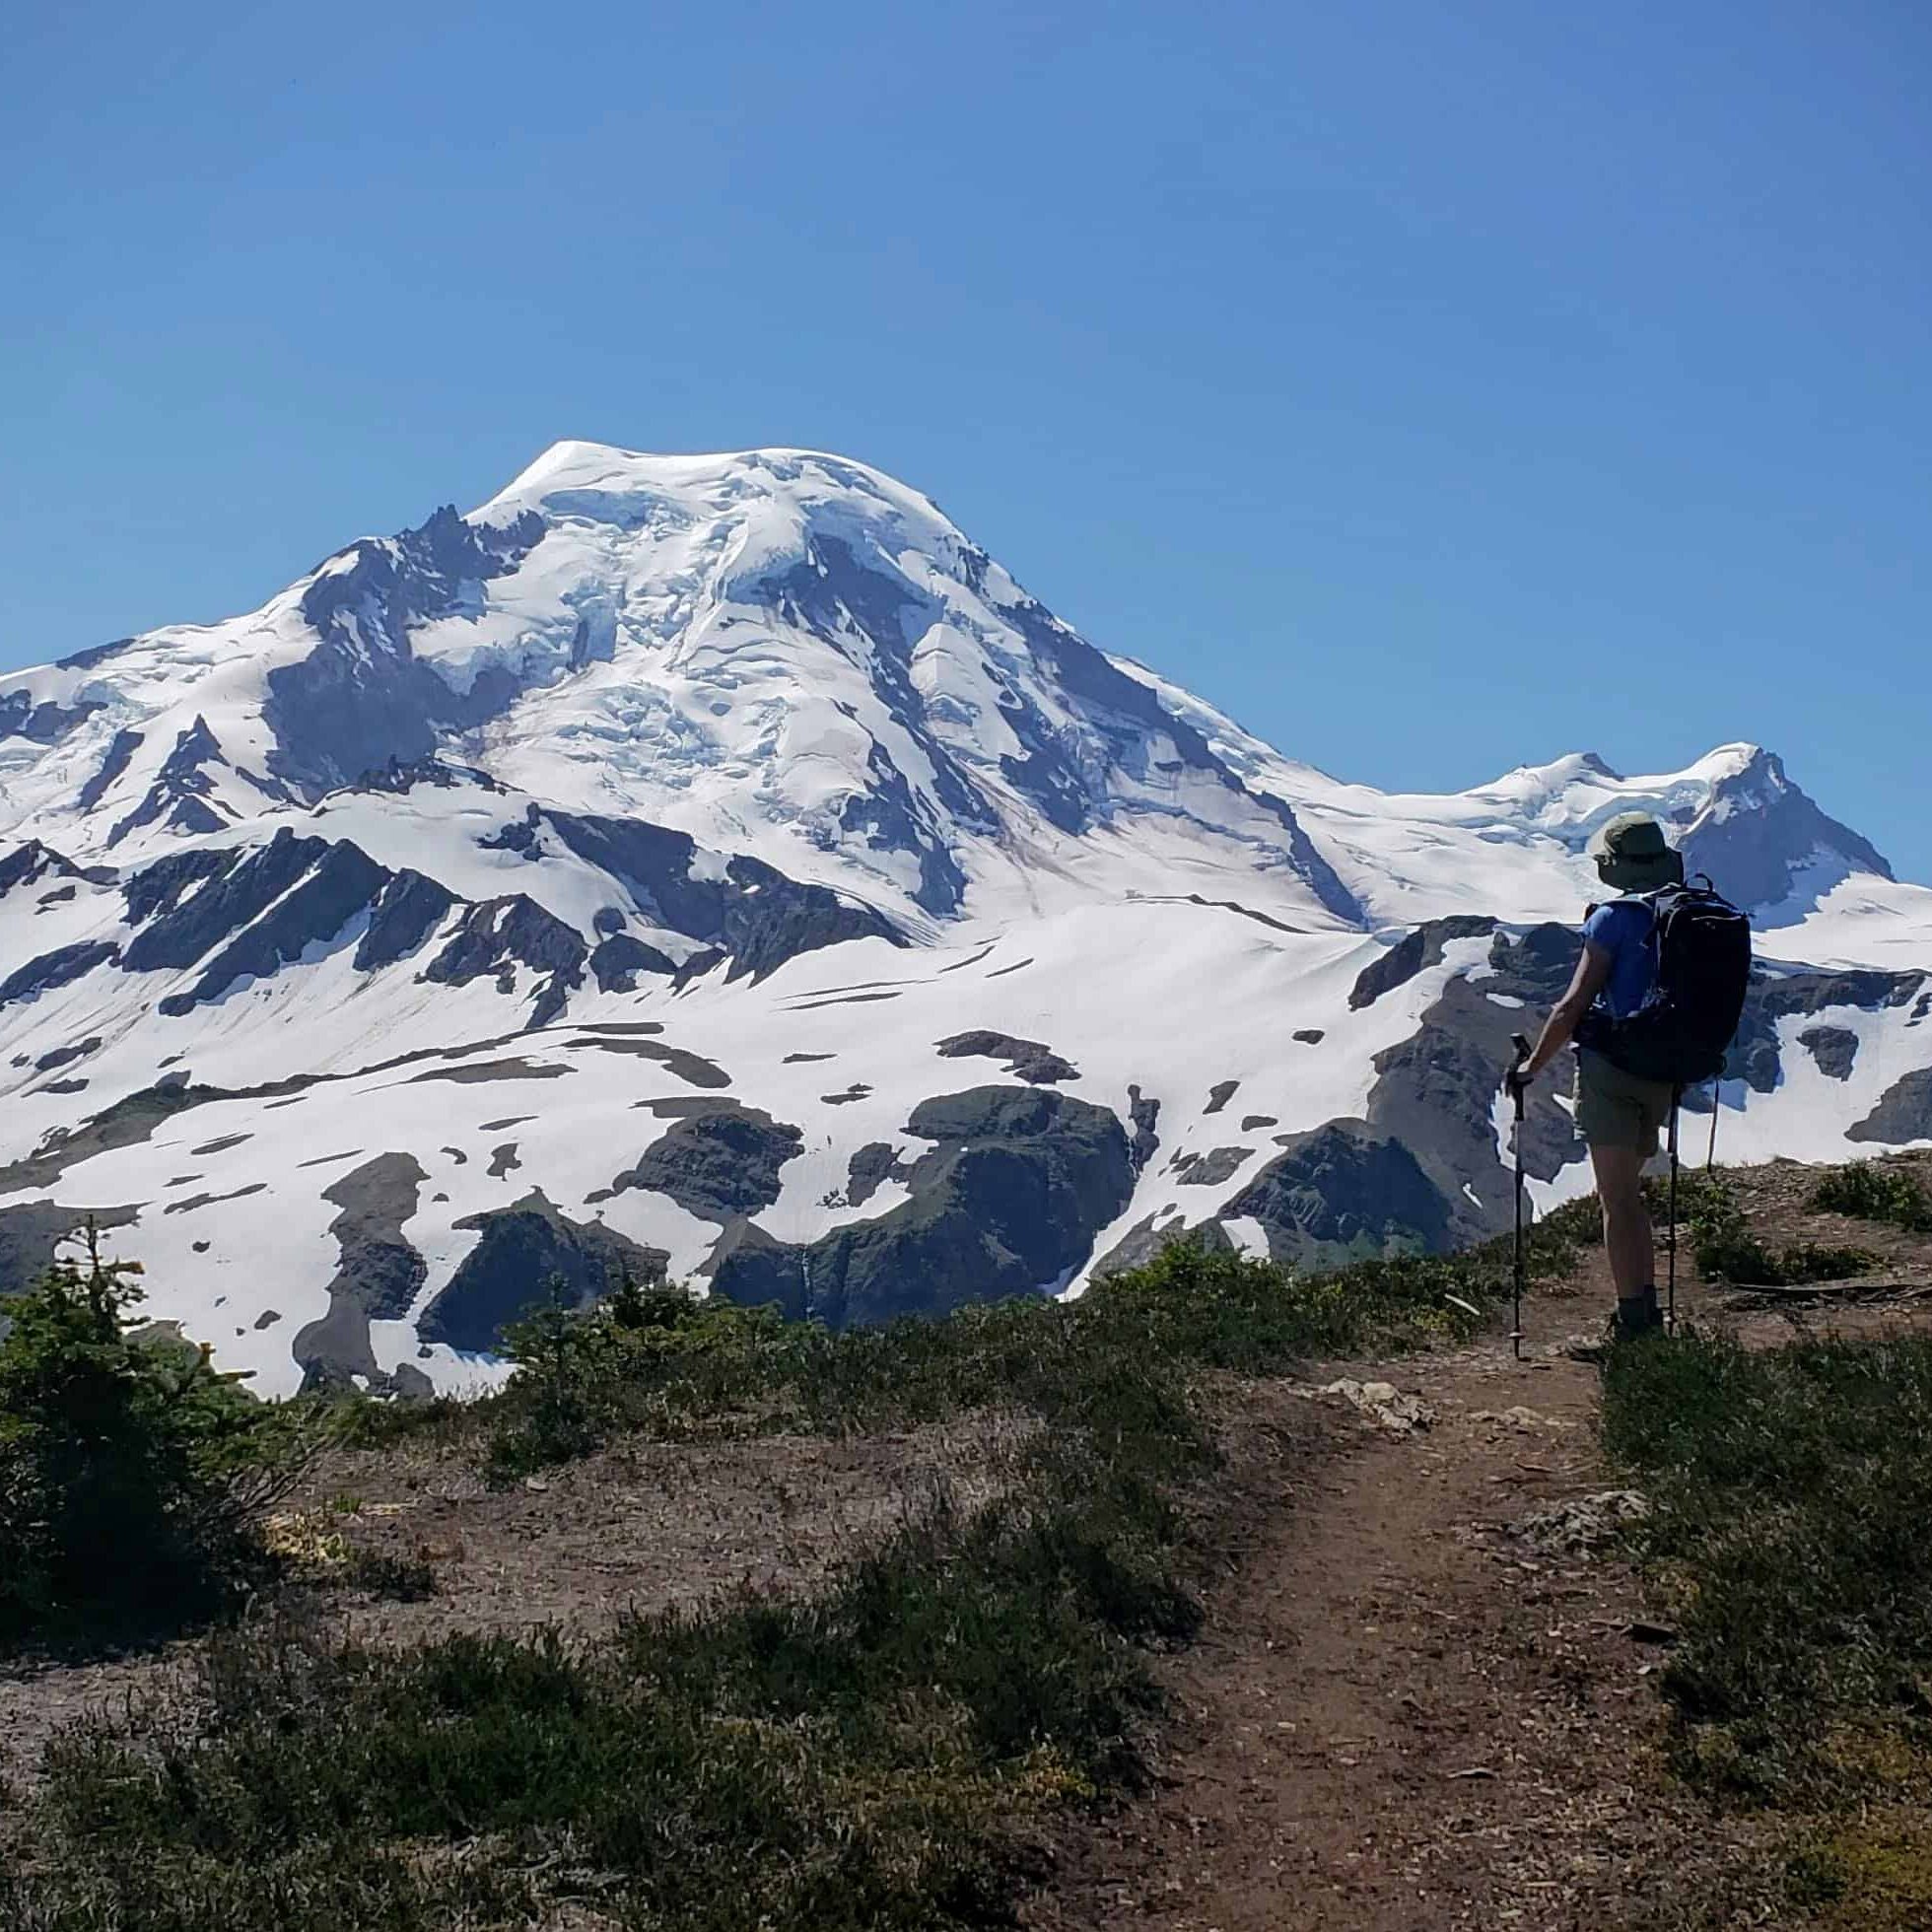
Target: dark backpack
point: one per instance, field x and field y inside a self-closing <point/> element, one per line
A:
<point x="1701" y="945"/>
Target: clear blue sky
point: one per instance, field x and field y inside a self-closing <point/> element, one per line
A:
<point x="1435" y="385"/>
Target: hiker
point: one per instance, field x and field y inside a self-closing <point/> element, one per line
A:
<point x="1641" y="1034"/>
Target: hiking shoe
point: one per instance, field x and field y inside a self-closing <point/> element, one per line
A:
<point x="1638" y="1317"/>
<point x="1597" y="1352"/>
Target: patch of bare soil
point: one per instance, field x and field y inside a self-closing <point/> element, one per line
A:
<point x="639" y="1527"/>
<point x="1425" y="1695"/>
<point x="39" y="1701"/>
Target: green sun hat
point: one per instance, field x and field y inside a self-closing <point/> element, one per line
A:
<point x="1632" y="853"/>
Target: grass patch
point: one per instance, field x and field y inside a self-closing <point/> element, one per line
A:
<point x="876" y="1755"/>
<point x="660" y="1364"/>
<point x="1790" y="1491"/>
<point x="1870" y="1193"/>
<point x="1869" y="1874"/>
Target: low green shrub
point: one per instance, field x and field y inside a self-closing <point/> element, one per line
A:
<point x="876" y="1756"/>
<point x="1727" y="1249"/>
<point x="1870" y="1193"/>
<point x="582" y="1375"/>
<point x="660" y="1363"/>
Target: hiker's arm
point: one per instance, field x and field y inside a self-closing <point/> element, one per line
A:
<point x="1592" y="972"/>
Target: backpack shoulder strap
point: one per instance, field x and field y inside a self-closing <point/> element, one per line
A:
<point x="1651" y="902"/>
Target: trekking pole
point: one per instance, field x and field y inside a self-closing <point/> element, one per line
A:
<point x="1522" y="1047"/>
<point x="1677" y="1099"/>
<point x="1716" y="1101"/>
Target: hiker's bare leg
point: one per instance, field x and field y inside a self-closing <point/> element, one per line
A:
<point x="1626" y="1221"/>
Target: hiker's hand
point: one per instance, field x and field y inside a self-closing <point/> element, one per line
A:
<point x="1518" y="1079"/>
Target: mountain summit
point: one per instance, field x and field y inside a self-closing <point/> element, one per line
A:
<point x="780" y="653"/>
<point x="718" y="867"/>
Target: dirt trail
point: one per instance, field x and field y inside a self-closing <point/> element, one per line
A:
<point x="1404" y="1714"/>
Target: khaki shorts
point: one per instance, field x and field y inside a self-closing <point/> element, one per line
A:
<point x="1615" y="1109"/>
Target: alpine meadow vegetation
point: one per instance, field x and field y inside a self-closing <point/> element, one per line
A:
<point x="879" y="1753"/>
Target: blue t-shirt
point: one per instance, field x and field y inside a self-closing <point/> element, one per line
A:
<point x="1623" y="930"/>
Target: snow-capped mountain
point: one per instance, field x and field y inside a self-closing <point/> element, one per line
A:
<point x="721" y="869"/>
<point x="787" y="657"/>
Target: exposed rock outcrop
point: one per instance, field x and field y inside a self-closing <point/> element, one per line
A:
<point x="32" y="863"/>
<point x="1208" y="1170"/>
<point x="1758" y="833"/>
<point x="244" y="911"/>
<point x="30" y="1237"/>
<point x="1143" y="1114"/>
<point x="378" y="1271"/>
<point x="1834" y="1048"/>
<point x="1437" y="1091"/>
<point x="1026" y="1060"/>
<point x="526" y="1253"/>
<point x="66" y="1056"/>
<point x="1414" y="952"/>
<point x="131" y="1119"/>
<point x="1903" y="1113"/>
<point x="1780" y="993"/>
<point x="1007" y="1202"/>
<point x="53" y="969"/>
<point x="719" y="1164"/>
<point x="619" y="959"/>
<point x="362" y="701"/>
<point x="340" y="881"/>
<point x="497" y="935"/>
<point x="871" y="1168"/>
<point x="181" y="789"/>
<point x="1340" y="1193"/>
<point x="746" y="909"/>
<point x="405" y="912"/>
<point x="44" y="723"/>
